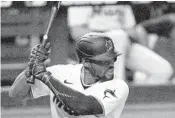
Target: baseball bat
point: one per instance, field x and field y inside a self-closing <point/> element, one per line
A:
<point x="54" y="11"/>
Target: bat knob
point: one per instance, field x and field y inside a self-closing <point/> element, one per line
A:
<point x="45" y="37"/>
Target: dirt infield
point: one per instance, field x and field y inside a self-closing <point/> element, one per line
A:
<point x="156" y="110"/>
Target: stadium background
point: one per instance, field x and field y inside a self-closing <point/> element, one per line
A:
<point x="23" y="25"/>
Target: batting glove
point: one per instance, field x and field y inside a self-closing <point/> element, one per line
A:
<point x="38" y="70"/>
<point x="40" y="53"/>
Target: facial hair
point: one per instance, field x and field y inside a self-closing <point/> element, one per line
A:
<point x="108" y="74"/>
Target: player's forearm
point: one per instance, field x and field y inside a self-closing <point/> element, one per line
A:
<point x="72" y="100"/>
<point x="138" y="35"/>
<point x="20" y="87"/>
<point x="161" y="26"/>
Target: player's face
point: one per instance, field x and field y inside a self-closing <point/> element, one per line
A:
<point x="104" y="69"/>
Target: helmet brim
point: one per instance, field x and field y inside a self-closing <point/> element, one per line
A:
<point x="108" y="56"/>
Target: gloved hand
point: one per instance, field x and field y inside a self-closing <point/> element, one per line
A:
<point x="40" y="53"/>
<point x="39" y="72"/>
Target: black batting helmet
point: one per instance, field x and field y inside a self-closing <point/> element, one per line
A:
<point x="96" y="46"/>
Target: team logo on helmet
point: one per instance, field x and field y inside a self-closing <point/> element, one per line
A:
<point x="108" y="45"/>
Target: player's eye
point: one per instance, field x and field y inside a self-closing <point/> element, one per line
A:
<point x="104" y="62"/>
<point x="115" y="59"/>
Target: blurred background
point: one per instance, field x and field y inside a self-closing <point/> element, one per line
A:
<point x="23" y="23"/>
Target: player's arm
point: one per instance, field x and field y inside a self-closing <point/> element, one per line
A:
<point x="20" y="87"/>
<point x="161" y="26"/>
<point x="74" y="102"/>
<point x="138" y="34"/>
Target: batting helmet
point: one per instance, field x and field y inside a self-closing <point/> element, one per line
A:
<point x="96" y="46"/>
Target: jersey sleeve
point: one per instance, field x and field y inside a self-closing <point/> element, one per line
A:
<point x="58" y="72"/>
<point x="111" y="94"/>
<point x="39" y="89"/>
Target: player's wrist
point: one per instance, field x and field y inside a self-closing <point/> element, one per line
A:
<point x="44" y="77"/>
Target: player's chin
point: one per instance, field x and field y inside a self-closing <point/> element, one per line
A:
<point x="109" y="74"/>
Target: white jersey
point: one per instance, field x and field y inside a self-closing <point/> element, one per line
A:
<point x="111" y="94"/>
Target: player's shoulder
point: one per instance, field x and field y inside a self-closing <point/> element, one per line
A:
<point x="66" y="67"/>
<point x="62" y="71"/>
<point x="117" y="88"/>
<point x="118" y="84"/>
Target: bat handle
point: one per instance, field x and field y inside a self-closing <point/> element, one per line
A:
<point x="29" y="73"/>
<point x="45" y="40"/>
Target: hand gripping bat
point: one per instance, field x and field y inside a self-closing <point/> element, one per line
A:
<point x="54" y="11"/>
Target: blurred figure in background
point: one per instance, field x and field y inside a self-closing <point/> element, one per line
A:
<point x="139" y="57"/>
<point x="164" y="28"/>
<point x="133" y="41"/>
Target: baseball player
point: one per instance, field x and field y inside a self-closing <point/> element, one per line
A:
<point x="137" y="55"/>
<point x="85" y="90"/>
